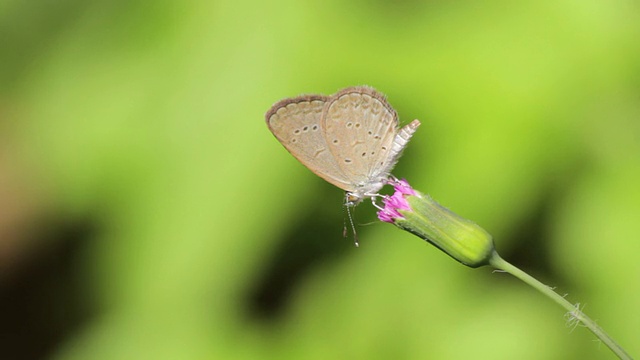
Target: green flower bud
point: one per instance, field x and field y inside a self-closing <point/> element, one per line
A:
<point x="422" y="216"/>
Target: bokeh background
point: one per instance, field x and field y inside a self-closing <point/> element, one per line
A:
<point x="146" y="212"/>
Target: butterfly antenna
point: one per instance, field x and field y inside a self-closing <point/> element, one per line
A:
<point x="344" y="223"/>
<point x="353" y="227"/>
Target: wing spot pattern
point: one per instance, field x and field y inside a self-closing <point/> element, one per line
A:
<point x="375" y="110"/>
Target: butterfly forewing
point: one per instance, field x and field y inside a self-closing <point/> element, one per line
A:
<point x="360" y="129"/>
<point x="296" y="123"/>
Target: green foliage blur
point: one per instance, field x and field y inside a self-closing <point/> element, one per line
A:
<point x="132" y="135"/>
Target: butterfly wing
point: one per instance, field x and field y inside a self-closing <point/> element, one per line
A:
<point x="296" y="123"/>
<point x="360" y="128"/>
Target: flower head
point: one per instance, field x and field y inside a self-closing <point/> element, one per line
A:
<point x="422" y="216"/>
<point x="396" y="202"/>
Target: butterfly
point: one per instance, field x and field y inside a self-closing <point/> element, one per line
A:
<point x="351" y="139"/>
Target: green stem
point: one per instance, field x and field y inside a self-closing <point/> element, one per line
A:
<point x="574" y="311"/>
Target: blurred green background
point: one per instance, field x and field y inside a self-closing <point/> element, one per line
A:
<point x="146" y="212"/>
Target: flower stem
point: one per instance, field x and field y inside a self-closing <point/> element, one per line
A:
<point x="574" y="310"/>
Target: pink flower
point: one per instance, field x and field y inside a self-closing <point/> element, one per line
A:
<point x="396" y="202"/>
<point x="422" y="216"/>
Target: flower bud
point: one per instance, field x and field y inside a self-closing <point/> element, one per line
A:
<point x="422" y="216"/>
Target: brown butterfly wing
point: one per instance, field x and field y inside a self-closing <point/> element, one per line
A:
<point x="296" y="123"/>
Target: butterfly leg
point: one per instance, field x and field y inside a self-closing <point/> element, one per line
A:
<point x="392" y="180"/>
<point x="374" y="197"/>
